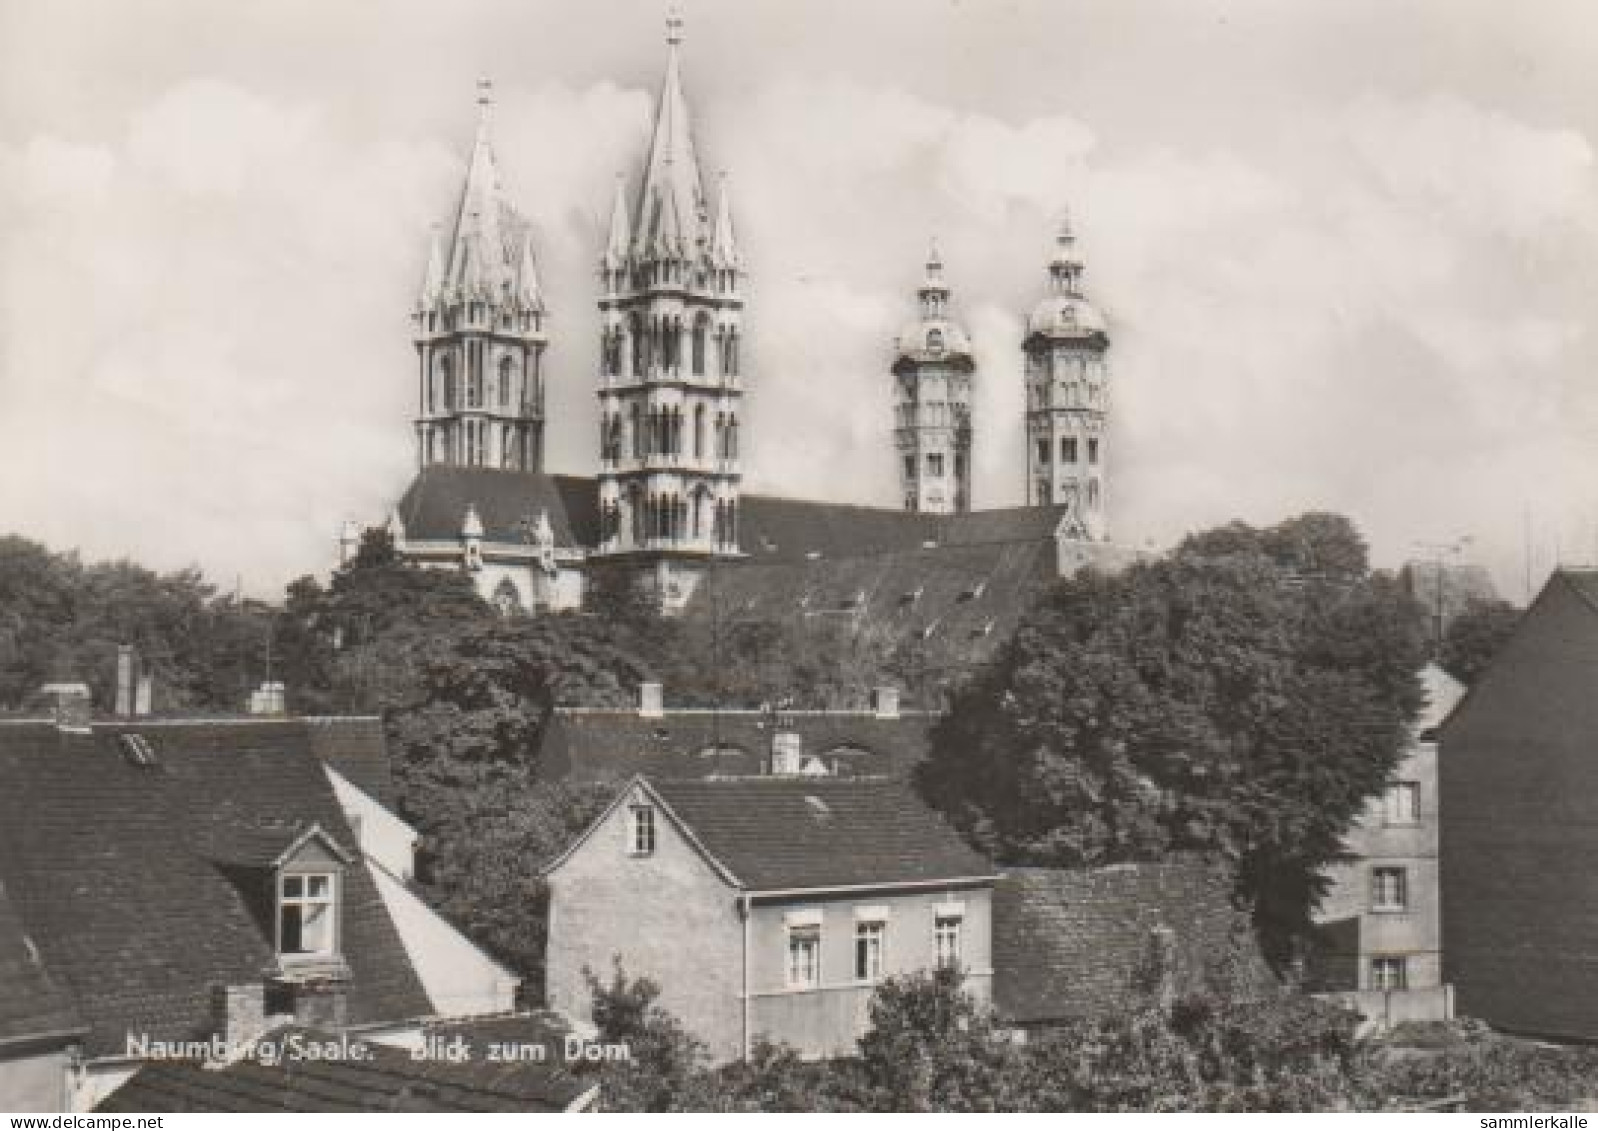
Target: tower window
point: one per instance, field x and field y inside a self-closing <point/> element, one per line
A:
<point x="1043" y="451"/>
<point x="701" y="330"/>
<point x="935" y="463"/>
<point x="909" y="467"/>
<point x="1093" y="451"/>
<point x="935" y="341"/>
<point x="505" y="365"/>
<point x="1068" y="449"/>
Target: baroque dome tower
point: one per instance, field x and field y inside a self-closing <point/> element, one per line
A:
<point x="932" y="370"/>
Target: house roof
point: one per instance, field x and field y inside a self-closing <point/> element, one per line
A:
<point x="353" y="745"/>
<point x="590" y="745"/>
<point x="126" y="876"/>
<point x="1074" y="942"/>
<point x="34" y="1004"/>
<point x="780" y="833"/>
<point x="390" y="1080"/>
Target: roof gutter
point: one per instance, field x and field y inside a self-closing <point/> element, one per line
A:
<point x="901" y="885"/>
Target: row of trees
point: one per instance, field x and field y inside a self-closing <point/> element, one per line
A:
<point x="930" y="1047"/>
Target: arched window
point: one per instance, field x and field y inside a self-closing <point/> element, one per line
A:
<point x="699" y="432"/>
<point x="446" y="371"/>
<point x="699" y="513"/>
<point x="506" y="366"/>
<point x="507" y="599"/>
<point x="732" y="437"/>
<point x="721" y="435"/>
<point x="636" y="428"/>
<point x="635" y="511"/>
<point x="935" y="341"/>
<point x="729" y="350"/>
<point x="701" y="329"/>
<point x="636" y="332"/>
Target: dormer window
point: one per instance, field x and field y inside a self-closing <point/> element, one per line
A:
<point x="641" y="833"/>
<point x="307" y="915"/>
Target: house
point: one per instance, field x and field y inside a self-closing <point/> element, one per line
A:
<point x="40" y="1030"/>
<point x="178" y="880"/>
<point x="766" y="906"/>
<point x="1073" y="944"/>
<point x="598" y="744"/>
<point x="382" y="1079"/>
<point x="1378" y="927"/>
<point x="1518" y="776"/>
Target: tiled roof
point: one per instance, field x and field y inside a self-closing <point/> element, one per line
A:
<point x="784" y="833"/>
<point x="1071" y="943"/>
<point x="615" y="745"/>
<point x="1584" y="582"/>
<point x="113" y="867"/>
<point x="770" y="528"/>
<point x="354" y="746"/>
<point x="954" y="603"/>
<point x="32" y="1004"/>
<point x="389" y="1081"/>
<point x="436" y="501"/>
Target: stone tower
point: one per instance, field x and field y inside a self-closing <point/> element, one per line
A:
<point x="479" y="329"/>
<point x="1067" y="398"/>
<point x="932" y="370"/>
<point x="670" y="380"/>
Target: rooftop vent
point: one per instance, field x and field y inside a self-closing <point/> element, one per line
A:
<point x="984" y="629"/>
<point x="912" y="596"/>
<point x="973" y="592"/>
<point x="137" y="750"/>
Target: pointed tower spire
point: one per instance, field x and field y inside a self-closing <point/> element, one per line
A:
<point x="672" y="214"/>
<point x="934" y="292"/>
<point x="724" y="244"/>
<point x="933" y="371"/>
<point x="433" y="281"/>
<point x="615" y="258"/>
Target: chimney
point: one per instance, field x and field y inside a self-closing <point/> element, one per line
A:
<point x="885" y="702"/>
<point x="238" y="1013"/>
<point x="271" y="698"/>
<point x="70" y="705"/>
<point x="787" y="752"/>
<point x="141" y="696"/>
<point x="124" y="697"/>
<point x="651" y="700"/>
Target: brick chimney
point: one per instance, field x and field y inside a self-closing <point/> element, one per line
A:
<point x="238" y="1013"/>
<point x="126" y="662"/>
<point x="70" y="705"/>
<point x="651" y="700"/>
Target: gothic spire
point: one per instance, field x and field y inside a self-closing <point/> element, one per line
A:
<point x="481" y="250"/>
<point x="620" y="231"/>
<point x="671" y="207"/>
<point x="724" y="244"/>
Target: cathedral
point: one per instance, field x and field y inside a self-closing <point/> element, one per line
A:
<point x="666" y="507"/>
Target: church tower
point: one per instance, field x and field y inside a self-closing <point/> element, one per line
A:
<point x="479" y="329"/>
<point x="1067" y="398"/>
<point x="932" y="372"/>
<point x="670" y="380"/>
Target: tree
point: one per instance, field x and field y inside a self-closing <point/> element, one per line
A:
<point x="1244" y="695"/>
<point x="1475" y="636"/>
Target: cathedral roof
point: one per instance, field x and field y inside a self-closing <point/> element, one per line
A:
<point x="488" y="249"/>
<point x="507" y="505"/>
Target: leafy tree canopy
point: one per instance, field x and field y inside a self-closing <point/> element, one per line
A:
<point x="1474" y="637"/>
<point x="1244" y="695"/>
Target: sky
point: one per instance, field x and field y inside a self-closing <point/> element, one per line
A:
<point x="1348" y="250"/>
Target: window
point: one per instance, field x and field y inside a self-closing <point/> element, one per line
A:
<point x="946" y="939"/>
<point x="642" y="841"/>
<point x="935" y="463"/>
<point x="305" y="914"/>
<point x="1043" y="451"/>
<point x="1093" y="451"/>
<point x="505" y="371"/>
<point x="909" y="467"/>
<point x="1402" y="803"/>
<point x="868" y="936"/>
<point x="804" y="956"/>
<point x="935" y="341"/>
<point x="1389" y="889"/>
<point x="1068" y="449"/>
<point x="1390" y="972"/>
